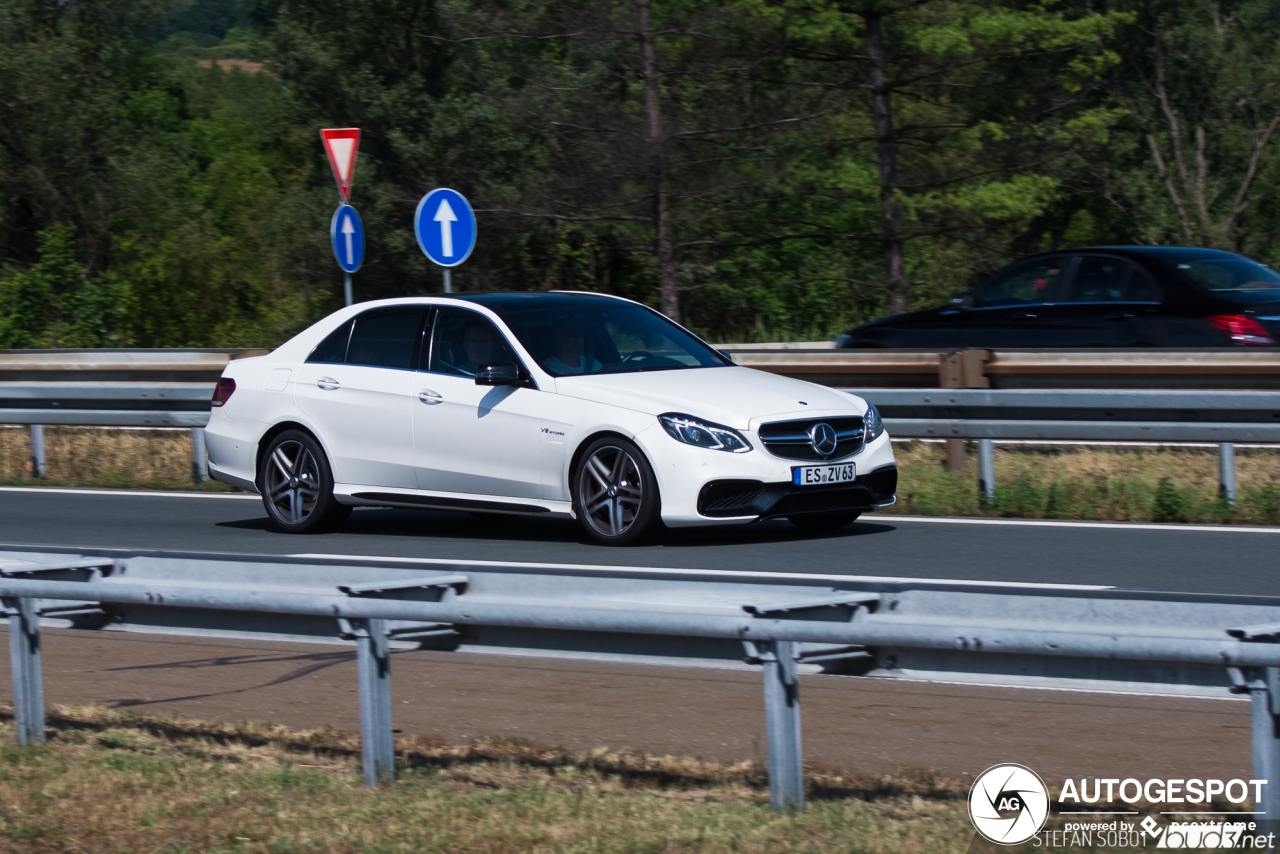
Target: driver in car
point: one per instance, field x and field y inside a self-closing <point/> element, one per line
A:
<point x="570" y="356"/>
<point x="477" y="344"/>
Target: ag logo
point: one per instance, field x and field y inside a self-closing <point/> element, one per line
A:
<point x="1008" y="804"/>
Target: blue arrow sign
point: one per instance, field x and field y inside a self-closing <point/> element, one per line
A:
<point x="446" y="227"/>
<point x="346" y="233"/>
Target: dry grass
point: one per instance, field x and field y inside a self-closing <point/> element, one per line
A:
<point x="88" y="456"/>
<point x="113" y="782"/>
<point x="1034" y="481"/>
<point x="1083" y="482"/>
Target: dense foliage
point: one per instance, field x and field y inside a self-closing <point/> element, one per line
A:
<point x="760" y="169"/>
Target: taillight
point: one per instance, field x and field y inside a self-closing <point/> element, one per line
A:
<point x="1242" y="330"/>
<point x="222" y="393"/>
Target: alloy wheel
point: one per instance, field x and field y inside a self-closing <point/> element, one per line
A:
<point x="293" y="482"/>
<point x="610" y="491"/>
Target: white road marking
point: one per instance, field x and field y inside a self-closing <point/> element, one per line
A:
<point x="132" y="493"/>
<point x="737" y="574"/>
<point x="1054" y="523"/>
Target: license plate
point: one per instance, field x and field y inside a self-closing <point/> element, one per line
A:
<point x="816" y="475"/>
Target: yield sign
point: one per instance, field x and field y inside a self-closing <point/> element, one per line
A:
<point x="341" y="145"/>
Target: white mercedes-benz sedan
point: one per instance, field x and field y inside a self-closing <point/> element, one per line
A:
<point x="560" y="404"/>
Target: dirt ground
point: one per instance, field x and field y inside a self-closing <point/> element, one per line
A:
<point x="851" y="725"/>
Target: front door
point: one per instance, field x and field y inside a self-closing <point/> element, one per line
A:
<point x="1010" y="308"/>
<point x="468" y="438"/>
<point x="358" y="389"/>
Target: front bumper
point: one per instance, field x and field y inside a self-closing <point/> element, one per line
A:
<point x="730" y="498"/>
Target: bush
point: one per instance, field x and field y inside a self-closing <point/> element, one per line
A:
<point x="1170" y="505"/>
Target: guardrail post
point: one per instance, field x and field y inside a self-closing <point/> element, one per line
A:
<point x="24" y="662"/>
<point x="374" y="663"/>
<point x="37" y="450"/>
<point x="782" y="723"/>
<point x="1227" y="472"/>
<point x="987" y="470"/>
<point x="1264" y="691"/>
<point x="199" y="460"/>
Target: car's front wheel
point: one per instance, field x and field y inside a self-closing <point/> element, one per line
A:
<point x="615" y="495"/>
<point x="828" y="521"/>
<point x="297" y="485"/>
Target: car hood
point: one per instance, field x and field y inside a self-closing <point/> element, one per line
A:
<point x="731" y="396"/>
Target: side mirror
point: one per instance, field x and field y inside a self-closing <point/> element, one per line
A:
<point x="726" y="355"/>
<point x="963" y="300"/>
<point x="503" y="373"/>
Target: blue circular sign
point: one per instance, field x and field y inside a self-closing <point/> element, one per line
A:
<point x="346" y="233"/>
<point x="446" y="227"/>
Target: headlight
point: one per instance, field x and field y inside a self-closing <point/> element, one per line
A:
<point x="872" y="424"/>
<point x="704" y="434"/>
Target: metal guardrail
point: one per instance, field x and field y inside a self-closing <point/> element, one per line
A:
<point x="1147" y="368"/>
<point x="120" y="388"/>
<point x="1221" y="417"/>
<point x="994" y="633"/>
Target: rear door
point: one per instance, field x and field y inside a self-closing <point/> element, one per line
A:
<point x="1109" y="302"/>
<point x="357" y="387"/>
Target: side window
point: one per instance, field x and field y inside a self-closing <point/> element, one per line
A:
<point x="464" y="342"/>
<point x="1023" y="285"/>
<point x="385" y="338"/>
<point x="333" y="349"/>
<point x="1140" y="288"/>
<point x="1100" y="280"/>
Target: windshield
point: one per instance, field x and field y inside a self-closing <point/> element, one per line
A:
<point x="605" y="337"/>
<point x="1232" y="277"/>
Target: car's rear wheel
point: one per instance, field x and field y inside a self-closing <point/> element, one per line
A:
<point x="615" y="495"/>
<point x="297" y="485"/>
<point x="829" y="521"/>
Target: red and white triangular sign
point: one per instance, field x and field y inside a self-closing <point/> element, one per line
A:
<point x="341" y="144"/>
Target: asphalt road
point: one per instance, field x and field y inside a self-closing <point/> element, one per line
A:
<point x="1174" y="557"/>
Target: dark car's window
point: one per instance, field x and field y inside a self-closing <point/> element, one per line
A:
<point x="1109" y="280"/>
<point x="464" y="342"/>
<point x="332" y="349"/>
<point x="1034" y="282"/>
<point x="598" y="336"/>
<point x="385" y="338"/>
<point x="1234" y="277"/>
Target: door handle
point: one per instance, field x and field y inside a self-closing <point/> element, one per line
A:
<point x="328" y="383"/>
<point x="1119" y="316"/>
<point x="430" y="397"/>
<point x="1024" y="317"/>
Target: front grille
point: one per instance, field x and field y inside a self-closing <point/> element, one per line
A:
<point x="790" y="439"/>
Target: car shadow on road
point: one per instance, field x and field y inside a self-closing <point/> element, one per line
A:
<point x="387" y="522"/>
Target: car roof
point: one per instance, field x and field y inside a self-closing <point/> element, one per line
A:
<point x="1153" y="251"/>
<point x="516" y="300"/>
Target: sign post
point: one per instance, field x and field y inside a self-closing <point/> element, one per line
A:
<point x="346" y="232"/>
<point x="445" y="227"/>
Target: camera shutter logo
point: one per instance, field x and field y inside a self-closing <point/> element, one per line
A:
<point x="1008" y="804"/>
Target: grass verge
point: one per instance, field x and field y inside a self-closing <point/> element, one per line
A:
<point x="110" y="781"/>
<point x="1143" y="484"/>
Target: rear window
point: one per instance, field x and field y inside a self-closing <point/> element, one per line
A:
<point x="1232" y="277"/>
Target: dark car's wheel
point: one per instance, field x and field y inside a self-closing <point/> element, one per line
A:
<point x="615" y="495"/>
<point x="297" y="485"/>
<point x="824" y="521"/>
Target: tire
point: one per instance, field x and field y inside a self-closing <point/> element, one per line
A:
<point x="829" y="521"/>
<point x="615" y="495"/>
<point x="297" y="486"/>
